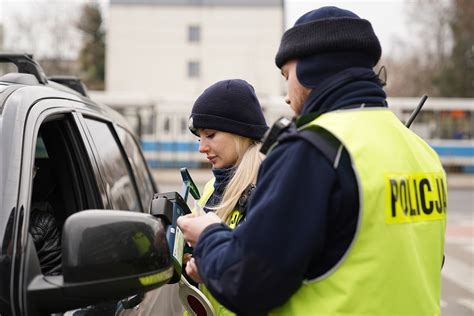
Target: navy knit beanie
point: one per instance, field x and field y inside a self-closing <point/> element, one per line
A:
<point x="329" y="30"/>
<point x="229" y="106"/>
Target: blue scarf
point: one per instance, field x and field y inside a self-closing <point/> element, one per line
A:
<point x="222" y="177"/>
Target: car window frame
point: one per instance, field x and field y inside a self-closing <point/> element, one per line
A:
<point x="37" y="114"/>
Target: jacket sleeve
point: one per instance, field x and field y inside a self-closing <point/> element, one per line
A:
<point x="47" y="240"/>
<point x="260" y="264"/>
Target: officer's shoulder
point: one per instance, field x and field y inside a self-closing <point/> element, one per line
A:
<point x="317" y="138"/>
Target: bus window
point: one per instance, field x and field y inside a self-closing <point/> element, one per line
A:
<point x="184" y="126"/>
<point x="166" y="125"/>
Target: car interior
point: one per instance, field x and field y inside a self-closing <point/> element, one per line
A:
<point x="60" y="187"/>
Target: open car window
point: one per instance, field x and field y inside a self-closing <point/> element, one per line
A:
<point x="62" y="173"/>
<point x="62" y="186"/>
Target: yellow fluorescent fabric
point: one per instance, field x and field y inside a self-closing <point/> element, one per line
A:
<point x="207" y="192"/>
<point x="393" y="266"/>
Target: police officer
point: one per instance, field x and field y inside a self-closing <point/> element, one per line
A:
<point x="348" y="217"/>
<point x="228" y="119"/>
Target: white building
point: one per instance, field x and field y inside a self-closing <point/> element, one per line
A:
<point x="1" y="37"/>
<point x="177" y="48"/>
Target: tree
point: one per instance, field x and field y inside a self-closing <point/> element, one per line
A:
<point x="410" y="76"/>
<point x="44" y="30"/>
<point x="456" y="78"/>
<point x="92" y="54"/>
<point x="442" y="63"/>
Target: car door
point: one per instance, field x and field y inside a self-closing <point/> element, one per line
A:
<point x="129" y="186"/>
<point x="61" y="174"/>
<point x="57" y="174"/>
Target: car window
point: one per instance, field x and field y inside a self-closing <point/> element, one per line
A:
<point x="47" y="211"/>
<point x="61" y="174"/>
<point x="61" y="186"/>
<point x="144" y="184"/>
<point x="114" y="168"/>
<point x="40" y="150"/>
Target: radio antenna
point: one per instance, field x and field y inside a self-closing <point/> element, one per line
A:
<point x="417" y="110"/>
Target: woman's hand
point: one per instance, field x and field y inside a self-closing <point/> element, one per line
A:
<point x="192" y="271"/>
<point x="192" y="226"/>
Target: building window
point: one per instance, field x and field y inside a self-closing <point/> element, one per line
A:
<point x="184" y="126"/>
<point x="194" y="69"/>
<point x="194" y="33"/>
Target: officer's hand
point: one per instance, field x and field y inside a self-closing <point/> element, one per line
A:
<point x="192" y="271"/>
<point x="192" y="226"/>
<point x="187" y="257"/>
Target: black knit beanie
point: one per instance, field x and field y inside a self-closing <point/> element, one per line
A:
<point x="327" y="30"/>
<point x="229" y="106"/>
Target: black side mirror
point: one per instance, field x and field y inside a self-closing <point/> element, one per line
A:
<point x="107" y="255"/>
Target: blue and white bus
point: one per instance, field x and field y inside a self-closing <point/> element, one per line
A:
<point x="447" y="124"/>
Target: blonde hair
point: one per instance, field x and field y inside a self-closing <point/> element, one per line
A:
<point x="248" y="163"/>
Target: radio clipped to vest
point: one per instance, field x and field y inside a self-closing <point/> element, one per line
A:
<point x="271" y="136"/>
<point x="238" y="215"/>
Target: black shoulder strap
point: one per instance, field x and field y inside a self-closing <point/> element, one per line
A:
<point x="319" y="138"/>
<point x="285" y="129"/>
<point x="242" y="204"/>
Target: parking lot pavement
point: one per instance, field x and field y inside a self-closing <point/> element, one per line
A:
<point x="460" y="181"/>
<point x="458" y="271"/>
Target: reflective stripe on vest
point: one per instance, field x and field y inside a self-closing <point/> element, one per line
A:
<point x="393" y="266"/>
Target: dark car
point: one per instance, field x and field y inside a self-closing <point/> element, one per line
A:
<point x="79" y="160"/>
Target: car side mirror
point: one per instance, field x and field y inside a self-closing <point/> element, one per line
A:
<point x="107" y="255"/>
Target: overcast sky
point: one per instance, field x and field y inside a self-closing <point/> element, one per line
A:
<point x="388" y="17"/>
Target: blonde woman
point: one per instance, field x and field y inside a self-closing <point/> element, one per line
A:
<point x="228" y="119"/>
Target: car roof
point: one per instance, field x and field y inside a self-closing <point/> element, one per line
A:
<point x="33" y="85"/>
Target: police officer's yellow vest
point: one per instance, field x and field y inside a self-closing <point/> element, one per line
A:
<point x="393" y="266"/>
<point x="235" y="218"/>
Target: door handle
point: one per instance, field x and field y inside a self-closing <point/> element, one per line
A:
<point x="132" y="301"/>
